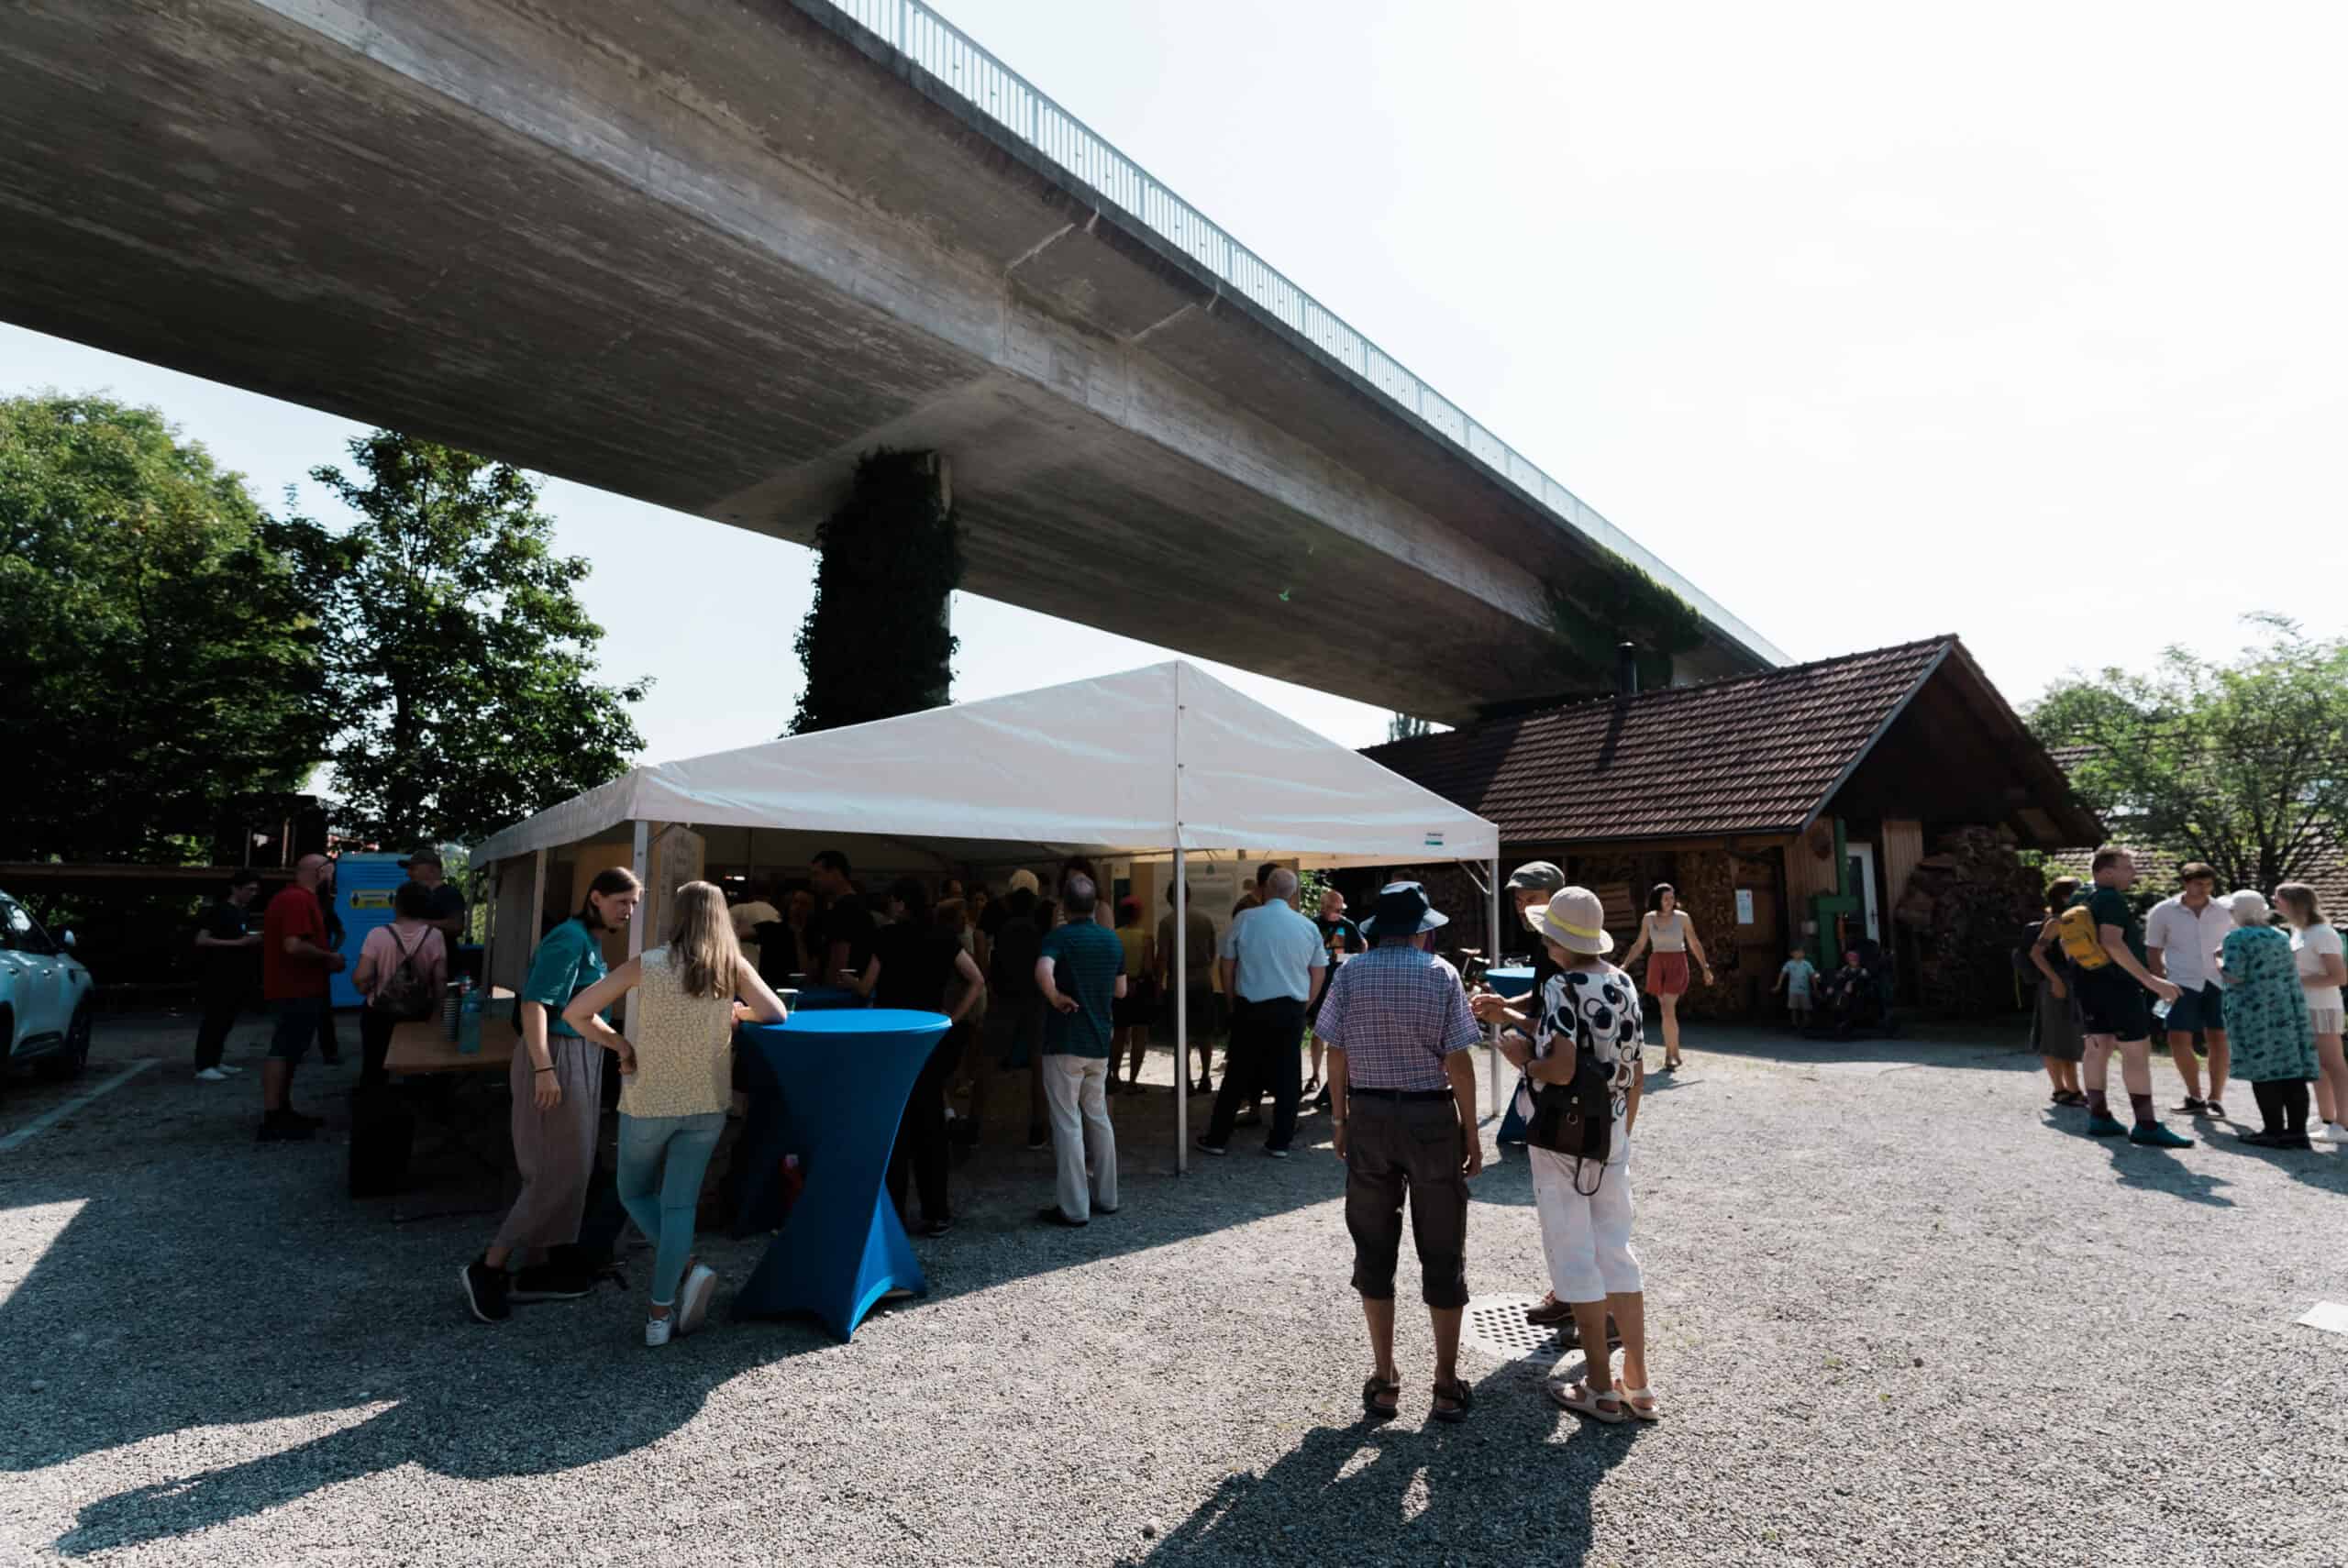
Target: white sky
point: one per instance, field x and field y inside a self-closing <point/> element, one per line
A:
<point x="1875" y="322"/>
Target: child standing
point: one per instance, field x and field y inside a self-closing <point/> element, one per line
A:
<point x="1796" y="979"/>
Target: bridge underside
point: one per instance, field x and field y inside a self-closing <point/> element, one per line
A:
<point x="705" y="255"/>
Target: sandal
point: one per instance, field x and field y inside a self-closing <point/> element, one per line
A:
<point x="1462" y="1397"/>
<point x="1580" y="1398"/>
<point x="1372" y="1388"/>
<point x="1630" y="1399"/>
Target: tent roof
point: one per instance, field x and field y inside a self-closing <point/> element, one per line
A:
<point x="1140" y="763"/>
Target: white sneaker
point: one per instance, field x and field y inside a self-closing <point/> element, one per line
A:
<point x="232" y="1072"/>
<point x="693" y="1300"/>
<point x="2328" y="1133"/>
<point x="212" y="1076"/>
<point x="657" y="1329"/>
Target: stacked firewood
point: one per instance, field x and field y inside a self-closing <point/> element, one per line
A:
<point x="1960" y="915"/>
<point x="1707" y="886"/>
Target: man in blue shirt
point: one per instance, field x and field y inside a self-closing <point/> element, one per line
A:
<point x="1274" y="961"/>
<point x="1082" y="973"/>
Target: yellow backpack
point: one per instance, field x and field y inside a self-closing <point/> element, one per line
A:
<point x="2074" y="928"/>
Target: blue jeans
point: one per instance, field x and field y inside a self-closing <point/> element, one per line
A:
<point x="662" y="1160"/>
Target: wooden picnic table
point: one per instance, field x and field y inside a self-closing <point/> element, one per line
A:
<point x="424" y="1046"/>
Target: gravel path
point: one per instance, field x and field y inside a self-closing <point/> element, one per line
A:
<point x="1899" y="1317"/>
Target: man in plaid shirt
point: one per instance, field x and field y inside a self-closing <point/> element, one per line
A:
<point x="1402" y="1088"/>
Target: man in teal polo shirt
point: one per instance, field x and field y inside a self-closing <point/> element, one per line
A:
<point x="1082" y="973"/>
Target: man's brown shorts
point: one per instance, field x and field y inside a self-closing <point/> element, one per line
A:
<point x="1399" y="1149"/>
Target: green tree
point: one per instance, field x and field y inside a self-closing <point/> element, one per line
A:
<point x="464" y="664"/>
<point x="157" y="655"/>
<point x="2244" y="765"/>
<point x="877" y="642"/>
<point x="1402" y="726"/>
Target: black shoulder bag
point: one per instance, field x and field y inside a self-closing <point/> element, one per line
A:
<point x="1577" y="1118"/>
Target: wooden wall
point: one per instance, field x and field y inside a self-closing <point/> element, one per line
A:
<point x="1903" y="848"/>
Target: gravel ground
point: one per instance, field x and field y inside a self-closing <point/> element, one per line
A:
<point x="1898" y="1316"/>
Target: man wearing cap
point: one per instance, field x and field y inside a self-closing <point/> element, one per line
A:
<point x="1402" y="1091"/>
<point x="445" y="907"/>
<point x="1533" y="885"/>
<point x="1530" y="886"/>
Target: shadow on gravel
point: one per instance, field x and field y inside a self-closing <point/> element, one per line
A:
<point x="2159" y="1170"/>
<point x="2325" y="1171"/>
<point x="205" y="1283"/>
<point x="1511" y="1482"/>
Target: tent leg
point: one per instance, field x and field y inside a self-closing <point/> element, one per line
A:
<point x="643" y="866"/>
<point x="1181" y="1017"/>
<point x="487" y="903"/>
<point x="1493" y="1061"/>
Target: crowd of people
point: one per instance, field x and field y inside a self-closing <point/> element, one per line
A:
<point x="2242" y="988"/>
<point x="290" y="962"/>
<point x="1054" y="988"/>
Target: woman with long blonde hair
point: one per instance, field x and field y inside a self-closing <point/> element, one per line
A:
<point x="676" y="1063"/>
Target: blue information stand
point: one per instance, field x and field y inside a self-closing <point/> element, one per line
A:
<point x="364" y="885"/>
<point x="839" y="1079"/>
<point x="1514" y="980"/>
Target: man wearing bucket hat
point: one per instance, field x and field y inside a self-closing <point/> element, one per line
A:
<point x="1402" y="1091"/>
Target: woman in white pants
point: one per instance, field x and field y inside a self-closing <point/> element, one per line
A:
<point x="1584" y="1205"/>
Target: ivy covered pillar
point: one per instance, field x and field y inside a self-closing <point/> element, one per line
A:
<point x="879" y="640"/>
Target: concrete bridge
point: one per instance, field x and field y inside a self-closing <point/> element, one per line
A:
<point x="704" y="253"/>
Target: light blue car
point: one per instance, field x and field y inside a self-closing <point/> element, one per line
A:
<point x="45" y="997"/>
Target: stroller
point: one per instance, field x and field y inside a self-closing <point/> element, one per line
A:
<point x="1857" y="998"/>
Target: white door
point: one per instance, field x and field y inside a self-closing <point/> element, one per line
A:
<point x="39" y="983"/>
<point x="1863" y="882"/>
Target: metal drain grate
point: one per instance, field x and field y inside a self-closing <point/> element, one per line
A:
<point x="1496" y="1326"/>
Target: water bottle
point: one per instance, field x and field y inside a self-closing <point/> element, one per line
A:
<point x="2160" y="1011"/>
<point x="451" y="1001"/>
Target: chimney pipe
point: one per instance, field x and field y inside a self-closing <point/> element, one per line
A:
<point x="1626" y="669"/>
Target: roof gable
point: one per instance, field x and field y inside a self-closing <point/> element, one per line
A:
<point x="1761" y="753"/>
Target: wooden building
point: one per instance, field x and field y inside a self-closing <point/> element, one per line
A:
<point x="1877" y="796"/>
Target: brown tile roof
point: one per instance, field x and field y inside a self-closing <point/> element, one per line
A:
<point x="1751" y="754"/>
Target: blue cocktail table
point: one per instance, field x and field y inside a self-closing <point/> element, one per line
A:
<point x="1512" y="980"/>
<point x="841" y="1079"/>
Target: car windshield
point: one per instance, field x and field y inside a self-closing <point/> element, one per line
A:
<point x="20" y="933"/>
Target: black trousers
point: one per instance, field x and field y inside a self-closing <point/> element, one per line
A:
<point x="921" y="1133"/>
<point x="1264" y="1037"/>
<point x="2282" y="1105"/>
<point x="220" y="1009"/>
<point x="374" y="1042"/>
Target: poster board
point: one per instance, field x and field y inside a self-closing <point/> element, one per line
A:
<point x="363" y="885"/>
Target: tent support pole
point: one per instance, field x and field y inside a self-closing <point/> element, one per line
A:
<point x="537" y="907"/>
<point x="1181" y="1017"/>
<point x="1492" y="1090"/>
<point x="642" y="862"/>
<point x="487" y="903"/>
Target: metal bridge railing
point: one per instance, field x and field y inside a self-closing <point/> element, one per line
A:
<point x="945" y="52"/>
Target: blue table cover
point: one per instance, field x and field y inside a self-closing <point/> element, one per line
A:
<point x="839" y="1079"/>
<point x="1512" y="981"/>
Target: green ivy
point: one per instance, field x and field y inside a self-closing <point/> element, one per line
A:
<point x="877" y="640"/>
<point x="1612" y="601"/>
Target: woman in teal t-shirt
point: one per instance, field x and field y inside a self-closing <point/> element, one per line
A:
<point x="557" y="1081"/>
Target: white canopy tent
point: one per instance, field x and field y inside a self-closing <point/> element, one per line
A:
<point x="1158" y="762"/>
